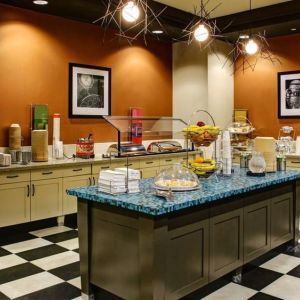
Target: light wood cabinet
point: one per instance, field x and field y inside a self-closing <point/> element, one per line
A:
<point x="14" y="203"/>
<point x="149" y="172"/>
<point x="46" y="198"/>
<point x="69" y="202"/>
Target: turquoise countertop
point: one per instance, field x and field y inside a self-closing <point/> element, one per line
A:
<point x="212" y="189"/>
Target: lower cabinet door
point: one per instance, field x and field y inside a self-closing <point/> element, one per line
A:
<point x="46" y="198"/>
<point x="226" y="243"/>
<point x="281" y="219"/>
<point x="70" y="202"/>
<point x="149" y="172"/>
<point x="187" y="259"/>
<point x="14" y="203"/>
<point x="256" y="230"/>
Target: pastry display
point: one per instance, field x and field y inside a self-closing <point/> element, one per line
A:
<point x="176" y="178"/>
<point x="201" y="134"/>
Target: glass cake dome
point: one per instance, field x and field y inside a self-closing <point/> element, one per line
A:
<point x="176" y="178"/>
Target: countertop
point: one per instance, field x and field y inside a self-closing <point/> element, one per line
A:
<point x="78" y="161"/>
<point x="212" y="189"/>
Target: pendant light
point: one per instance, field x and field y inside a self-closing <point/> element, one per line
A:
<point x="248" y="49"/>
<point x="202" y="28"/>
<point x="133" y="19"/>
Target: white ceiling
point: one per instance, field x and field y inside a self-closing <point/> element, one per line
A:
<point x="227" y="7"/>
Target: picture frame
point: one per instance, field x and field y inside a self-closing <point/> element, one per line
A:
<point x="89" y="91"/>
<point x="289" y="95"/>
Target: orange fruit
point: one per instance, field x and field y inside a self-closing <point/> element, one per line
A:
<point x="199" y="160"/>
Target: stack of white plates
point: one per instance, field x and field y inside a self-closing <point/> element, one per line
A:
<point x="133" y="179"/>
<point x="112" y="182"/>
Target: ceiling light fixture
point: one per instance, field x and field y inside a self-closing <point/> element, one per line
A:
<point x="131" y="12"/>
<point x="293" y="29"/>
<point x="157" y="32"/>
<point x="40" y="2"/>
<point x="132" y="19"/>
<point x="244" y="36"/>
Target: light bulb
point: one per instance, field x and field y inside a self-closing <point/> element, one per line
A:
<point x="251" y="47"/>
<point x="201" y="33"/>
<point x="130" y="12"/>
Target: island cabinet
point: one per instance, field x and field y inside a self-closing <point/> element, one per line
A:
<point x="140" y="256"/>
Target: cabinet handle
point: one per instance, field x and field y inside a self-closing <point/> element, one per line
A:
<point x="168" y="160"/>
<point x="295" y="162"/>
<point x="149" y="162"/>
<point x="90" y="181"/>
<point x="33" y="190"/>
<point x="102" y="168"/>
<point x="94" y="180"/>
<point x="128" y="165"/>
<point x="12" y="176"/>
<point x="28" y="190"/>
<point x="77" y="170"/>
<point x="47" y="173"/>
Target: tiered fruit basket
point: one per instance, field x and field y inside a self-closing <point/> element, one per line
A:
<point x="202" y="135"/>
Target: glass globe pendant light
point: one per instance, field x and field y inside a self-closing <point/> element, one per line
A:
<point x="131" y="12"/>
<point x="251" y="47"/>
<point x="201" y="33"/>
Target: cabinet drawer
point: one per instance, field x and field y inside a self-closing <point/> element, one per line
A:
<point x="77" y="170"/>
<point x="293" y="163"/>
<point x="132" y="164"/>
<point x="13" y="177"/>
<point x="96" y="168"/>
<point x="46" y="174"/>
<point x="168" y="161"/>
<point x="149" y="163"/>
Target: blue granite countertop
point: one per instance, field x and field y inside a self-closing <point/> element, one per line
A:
<point x="212" y="189"/>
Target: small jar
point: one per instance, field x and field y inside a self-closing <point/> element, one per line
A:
<point x="257" y="163"/>
<point x="244" y="160"/>
<point x="281" y="163"/>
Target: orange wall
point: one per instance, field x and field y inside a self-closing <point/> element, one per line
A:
<point x="35" y="50"/>
<point x="257" y="91"/>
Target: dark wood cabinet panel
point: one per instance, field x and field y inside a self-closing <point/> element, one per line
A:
<point x="226" y="243"/>
<point x="256" y="230"/>
<point x="281" y="219"/>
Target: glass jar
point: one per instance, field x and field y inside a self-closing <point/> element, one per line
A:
<point x="257" y="163"/>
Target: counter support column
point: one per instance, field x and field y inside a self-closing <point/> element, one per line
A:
<point x="297" y="212"/>
<point x="153" y="239"/>
<point x="83" y="232"/>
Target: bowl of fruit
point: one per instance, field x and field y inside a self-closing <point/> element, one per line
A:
<point x="202" y="134"/>
<point x="203" y="168"/>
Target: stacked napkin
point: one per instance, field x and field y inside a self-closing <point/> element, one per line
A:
<point x="133" y="179"/>
<point x="112" y="182"/>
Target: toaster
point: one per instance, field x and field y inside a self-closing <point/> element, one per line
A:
<point x="164" y="146"/>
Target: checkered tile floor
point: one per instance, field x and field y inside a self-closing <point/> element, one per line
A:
<point x="44" y="264"/>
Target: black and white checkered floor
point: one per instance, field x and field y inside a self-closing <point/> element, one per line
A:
<point x="44" y="264"/>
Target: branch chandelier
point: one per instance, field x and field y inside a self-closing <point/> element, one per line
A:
<point x="132" y="19"/>
<point x="249" y="48"/>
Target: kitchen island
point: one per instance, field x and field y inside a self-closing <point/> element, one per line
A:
<point x="143" y="247"/>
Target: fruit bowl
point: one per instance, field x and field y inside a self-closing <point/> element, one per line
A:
<point x="202" y="135"/>
<point x="203" y="168"/>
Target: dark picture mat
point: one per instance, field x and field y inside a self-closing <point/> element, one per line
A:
<point x="286" y="85"/>
<point x="71" y="66"/>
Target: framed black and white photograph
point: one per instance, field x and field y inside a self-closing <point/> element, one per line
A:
<point x="89" y="91"/>
<point x="289" y="94"/>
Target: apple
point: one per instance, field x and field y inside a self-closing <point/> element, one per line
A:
<point x="200" y="124"/>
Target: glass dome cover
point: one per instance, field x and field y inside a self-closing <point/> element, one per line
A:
<point x="176" y="178"/>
